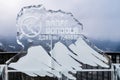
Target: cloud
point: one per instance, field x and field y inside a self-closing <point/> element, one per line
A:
<point x="99" y="17"/>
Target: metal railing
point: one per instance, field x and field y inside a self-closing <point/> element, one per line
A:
<point x="85" y="74"/>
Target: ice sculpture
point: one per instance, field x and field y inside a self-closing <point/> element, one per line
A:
<point x="56" y="44"/>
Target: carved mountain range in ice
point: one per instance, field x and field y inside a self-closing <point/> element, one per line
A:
<point x="38" y="60"/>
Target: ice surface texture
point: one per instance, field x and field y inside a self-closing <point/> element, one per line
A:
<point x="56" y="45"/>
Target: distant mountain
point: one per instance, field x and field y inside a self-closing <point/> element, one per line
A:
<point x="1" y="50"/>
<point x="107" y="45"/>
<point x="10" y="44"/>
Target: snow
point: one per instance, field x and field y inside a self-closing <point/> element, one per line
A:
<point x="20" y="43"/>
<point x="61" y="54"/>
<point x="1" y="44"/>
<point x="39" y="62"/>
<point x="85" y="54"/>
<point x="37" y="59"/>
<point x="11" y="46"/>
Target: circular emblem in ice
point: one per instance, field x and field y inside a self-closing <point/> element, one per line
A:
<point x="30" y="26"/>
<point x="36" y="21"/>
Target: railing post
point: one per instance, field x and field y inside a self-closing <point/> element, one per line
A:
<point x="6" y="72"/>
<point x="60" y="75"/>
<point x="116" y="71"/>
<point x="112" y="72"/>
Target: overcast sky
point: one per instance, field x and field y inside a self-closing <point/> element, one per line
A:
<point x="100" y="18"/>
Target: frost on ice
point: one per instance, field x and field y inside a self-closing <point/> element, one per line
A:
<point x="55" y="43"/>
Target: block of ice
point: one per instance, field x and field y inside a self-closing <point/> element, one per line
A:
<point x="55" y="43"/>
